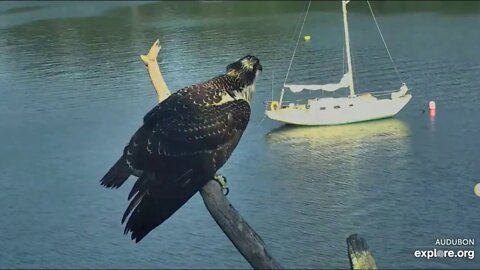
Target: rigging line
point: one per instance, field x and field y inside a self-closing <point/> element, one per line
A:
<point x="261" y="121"/>
<point x="273" y="78"/>
<point x="264" y="116"/>
<point x="298" y="40"/>
<point x="298" y="22"/>
<point x="344" y="69"/>
<point x="384" y="43"/>
<point x="296" y="27"/>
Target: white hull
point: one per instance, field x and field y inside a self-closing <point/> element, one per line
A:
<point x="337" y="111"/>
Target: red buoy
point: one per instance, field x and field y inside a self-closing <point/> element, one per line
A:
<point x="432" y="108"/>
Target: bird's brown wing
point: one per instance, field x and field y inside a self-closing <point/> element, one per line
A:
<point x="179" y="147"/>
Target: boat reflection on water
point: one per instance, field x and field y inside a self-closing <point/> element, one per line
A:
<point x="346" y="147"/>
<point x="328" y="174"/>
<point x="339" y="166"/>
<point x="392" y="130"/>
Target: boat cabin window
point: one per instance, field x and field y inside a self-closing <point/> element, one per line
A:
<point x="336" y="107"/>
<point x="323" y="108"/>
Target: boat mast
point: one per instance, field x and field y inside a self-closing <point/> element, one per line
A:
<point x="347" y="45"/>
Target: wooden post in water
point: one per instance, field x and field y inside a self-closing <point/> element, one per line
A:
<point x="358" y="253"/>
<point x="243" y="237"/>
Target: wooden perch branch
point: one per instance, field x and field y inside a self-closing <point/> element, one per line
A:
<point x="150" y="61"/>
<point x="243" y="237"/>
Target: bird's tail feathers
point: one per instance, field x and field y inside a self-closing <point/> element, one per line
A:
<point x="154" y="198"/>
<point x="117" y="175"/>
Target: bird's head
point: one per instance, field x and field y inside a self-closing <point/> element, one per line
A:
<point x="245" y="70"/>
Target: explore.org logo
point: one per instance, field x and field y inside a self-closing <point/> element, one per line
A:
<point x="448" y="248"/>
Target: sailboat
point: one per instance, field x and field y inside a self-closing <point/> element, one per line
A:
<point x="356" y="107"/>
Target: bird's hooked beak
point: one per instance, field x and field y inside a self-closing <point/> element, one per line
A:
<point x="259" y="70"/>
<point x="260" y="67"/>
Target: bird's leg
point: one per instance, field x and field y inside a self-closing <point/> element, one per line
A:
<point x="222" y="180"/>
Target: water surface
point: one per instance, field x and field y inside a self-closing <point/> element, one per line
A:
<point x="73" y="90"/>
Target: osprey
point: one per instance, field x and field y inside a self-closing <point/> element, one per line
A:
<point x="182" y="143"/>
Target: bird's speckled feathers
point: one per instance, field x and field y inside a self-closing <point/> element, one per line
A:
<point x="182" y="143"/>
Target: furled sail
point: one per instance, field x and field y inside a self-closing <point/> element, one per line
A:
<point x="330" y="87"/>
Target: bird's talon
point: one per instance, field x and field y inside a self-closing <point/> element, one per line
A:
<point x="222" y="180"/>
